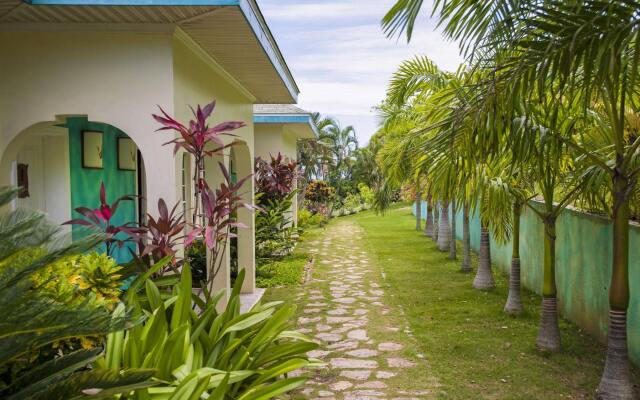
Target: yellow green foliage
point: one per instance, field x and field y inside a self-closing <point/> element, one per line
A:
<point x="75" y="279"/>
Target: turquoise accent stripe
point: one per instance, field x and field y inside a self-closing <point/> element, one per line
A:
<point x="281" y="119"/>
<point x="134" y="2"/>
<point x="286" y="119"/>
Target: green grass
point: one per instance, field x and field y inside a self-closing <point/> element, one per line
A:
<point x="473" y="348"/>
<point x="288" y="271"/>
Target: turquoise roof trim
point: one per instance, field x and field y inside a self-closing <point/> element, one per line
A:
<point x="250" y="11"/>
<point x="286" y="119"/>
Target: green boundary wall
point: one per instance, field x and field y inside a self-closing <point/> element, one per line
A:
<point x="583" y="267"/>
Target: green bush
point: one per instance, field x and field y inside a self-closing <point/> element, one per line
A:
<point x="49" y="294"/>
<point x="275" y="233"/>
<point x="206" y="353"/>
<point x="366" y="194"/>
<point x="307" y="219"/>
<point x="286" y="272"/>
<point x="352" y="201"/>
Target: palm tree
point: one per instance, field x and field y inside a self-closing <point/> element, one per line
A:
<point x="585" y="50"/>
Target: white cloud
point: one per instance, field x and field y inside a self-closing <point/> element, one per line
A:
<point x="340" y="57"/>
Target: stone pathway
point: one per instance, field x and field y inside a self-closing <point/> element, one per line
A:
<point x="369" y="351"/>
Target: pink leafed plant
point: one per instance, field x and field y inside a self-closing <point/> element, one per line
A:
<point x="100" y="219"/>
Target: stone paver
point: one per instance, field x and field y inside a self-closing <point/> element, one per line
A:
<point x="342" y="302"/>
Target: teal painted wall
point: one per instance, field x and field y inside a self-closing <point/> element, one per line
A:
<point x="583" y="267"/>
<point x="85" y="182"/>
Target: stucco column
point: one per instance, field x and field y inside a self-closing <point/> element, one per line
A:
<point x="220" y="271"/>
<point x="246" y="236"/>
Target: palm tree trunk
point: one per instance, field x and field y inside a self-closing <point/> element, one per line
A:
<point x="428" y="225"/>
<point x="466" y="241"/>
<point x="514" y="303"/>
<point x="418" y="210"/>
<point x="444" y="229"/>
<point x="616" y="380"/>
<point x="452" y="240"/>
<point x="484" y="275"/>
<point x="436" y="222"/>
<point x="549" y="333"/>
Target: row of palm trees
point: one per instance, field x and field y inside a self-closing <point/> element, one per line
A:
<point x="545" y="107"/>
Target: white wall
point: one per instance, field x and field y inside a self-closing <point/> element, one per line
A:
<point x="115" y="77"/>
<point x="45" y="148"/>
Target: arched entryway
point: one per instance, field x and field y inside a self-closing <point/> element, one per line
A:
<point x="61" y="165"/>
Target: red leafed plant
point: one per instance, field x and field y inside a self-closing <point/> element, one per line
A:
<point x="214" y="209"/>
<point x="219" y="207"/>
<point x="162" y="235"/>
<point x="100" y="219"/>
<point x="275" y="179"/>
<point x="198" y="139"/>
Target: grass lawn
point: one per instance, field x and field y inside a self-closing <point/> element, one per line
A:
<point x="289" y="270"/>
<point x="475" y="350"/>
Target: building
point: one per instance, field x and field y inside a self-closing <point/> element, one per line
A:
<point x="278" y="128"/>
<point x="80" y="79"/>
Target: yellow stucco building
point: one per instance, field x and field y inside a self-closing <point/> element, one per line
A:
<point x="80" y="79"/>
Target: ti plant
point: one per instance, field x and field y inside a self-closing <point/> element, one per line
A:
<point x="206" y="353"/>
<point x="161" y="236"/>
<point x="99" y="219"/>
<point x="275" y="179"/>
<point x="199" y="140"/>
<point x="219" y="206"/>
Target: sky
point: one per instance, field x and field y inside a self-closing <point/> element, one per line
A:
<point x="341" y="59"/>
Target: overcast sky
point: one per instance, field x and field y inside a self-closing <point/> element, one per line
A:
<point x="340" y="58"/>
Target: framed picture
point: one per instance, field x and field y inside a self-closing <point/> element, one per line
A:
<point x="92" y="149"/>
<point x="127" y="154"/>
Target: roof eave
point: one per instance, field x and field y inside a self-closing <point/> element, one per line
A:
<point x="285" y="119"/>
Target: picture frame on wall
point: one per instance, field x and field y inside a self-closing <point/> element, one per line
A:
<point x="127" y="154"/>
<point x="92" y="150"/>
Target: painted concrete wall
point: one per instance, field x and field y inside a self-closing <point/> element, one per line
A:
<point x="583" y="267"/>
<point x="116" y="77"/>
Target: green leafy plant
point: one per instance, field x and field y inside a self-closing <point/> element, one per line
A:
<point x="307" y="219"/>
<point x="275" y="233"/>
<point x="366" y="194"/>
<point x="207" y="353"/>
<point x="32" y="318"/>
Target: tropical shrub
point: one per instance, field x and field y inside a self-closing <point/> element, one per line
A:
<point x="307" y="219"/>
<point x="352" y="202"/>
<point x="32" y="317"/>
<point x="206" y="353"/>
<point x="366" y="194"/>
<point x="214" y="209"/>
<point x="100" y="220"/>
<point x="275" y="233"/>
<point x="161" y="236"/>
<point x="92" y="277"/>
<point x="274" y="179"/>
<point x="319" y="194"/>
